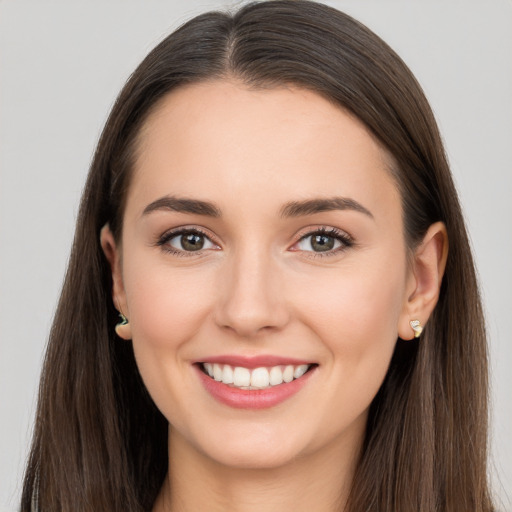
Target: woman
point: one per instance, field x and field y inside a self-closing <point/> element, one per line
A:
<point x="271" y="216"/>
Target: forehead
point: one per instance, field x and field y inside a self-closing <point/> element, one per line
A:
<point x="221" y="140"/>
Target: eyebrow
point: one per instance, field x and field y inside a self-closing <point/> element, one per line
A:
<point x="291" y="209"/>
<point x="312" y="206"/>
<point x="183" y="205"/>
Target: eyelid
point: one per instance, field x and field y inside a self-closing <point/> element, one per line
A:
<point x="346" y="240"/>
<point x="343" y="237"/>
<point x="163" y="239"/>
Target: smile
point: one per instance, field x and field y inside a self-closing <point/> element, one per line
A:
<point x="257" y="378"/>
<point x="256" y="383"/>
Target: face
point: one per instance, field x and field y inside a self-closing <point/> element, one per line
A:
<point x="262" y="239"/>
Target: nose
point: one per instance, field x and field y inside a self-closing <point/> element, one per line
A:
<point x="251" y="296"/>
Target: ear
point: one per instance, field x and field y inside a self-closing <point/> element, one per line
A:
<point x="113" y="255"/>
<point x="424" y="279"/>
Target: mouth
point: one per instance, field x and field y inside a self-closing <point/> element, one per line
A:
<point x="256" y="383"/>
<point x="254" y="378"/>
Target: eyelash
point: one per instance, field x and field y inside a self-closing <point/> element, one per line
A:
<point x="163" y="241"/>
<point x="345" y="240"/>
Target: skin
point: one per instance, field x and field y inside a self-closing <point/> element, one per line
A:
<point x="260" y="288"/>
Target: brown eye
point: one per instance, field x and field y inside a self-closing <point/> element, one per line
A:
<point x="324" y="241"/>
<point x="321" y="243"/>
<point x="190" y="241"/>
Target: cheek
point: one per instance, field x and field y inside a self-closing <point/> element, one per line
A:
<point x="363" y="301"/>
<point x="356" y="317"/>
<point x="166" y="310"/>
<point x="166" y="306"/>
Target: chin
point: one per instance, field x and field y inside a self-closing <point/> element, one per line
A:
<point x="253" y="457"/>
<point x="264" y="449"/>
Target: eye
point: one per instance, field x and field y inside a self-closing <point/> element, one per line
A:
<point x="189" y="240"/>
<point x="323" y="241"/>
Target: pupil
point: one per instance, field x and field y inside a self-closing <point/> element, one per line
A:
<point x="322" y="243"/>
<point x="192" y="242"/>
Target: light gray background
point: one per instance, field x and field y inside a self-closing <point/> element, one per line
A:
<point x="62" y="64"/>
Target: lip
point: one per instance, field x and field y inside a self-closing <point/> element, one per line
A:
<point x="252" y="362"/>
<point x="252" y="398"/>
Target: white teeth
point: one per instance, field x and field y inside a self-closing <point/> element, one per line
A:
<point x="258" y="378"/>
<point x="288" y="373"/>
<point x="300" y="371"/>
<point x="227" y="374"/>
<point x="209" y="368"/>
<point x="241" y="377"/>
<point x="276" y="376"/>
<point x="217" y="372"/>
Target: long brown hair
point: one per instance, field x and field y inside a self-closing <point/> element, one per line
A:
<point x="100" y="444"/>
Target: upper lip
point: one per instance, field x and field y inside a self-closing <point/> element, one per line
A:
<point x="254" y="361"/>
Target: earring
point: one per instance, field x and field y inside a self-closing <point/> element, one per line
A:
<point x="121" y="324"/>
<point x="123" y="321"/>
<point x="416" y="327"/>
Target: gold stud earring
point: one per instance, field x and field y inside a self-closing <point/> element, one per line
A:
<point x="416" y="327"/>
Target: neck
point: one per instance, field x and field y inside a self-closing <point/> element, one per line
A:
<point x="319" y="482"/>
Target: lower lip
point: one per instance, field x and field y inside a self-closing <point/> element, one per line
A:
<point x="253" y="398"/>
